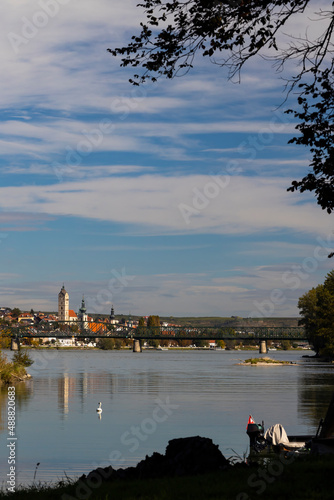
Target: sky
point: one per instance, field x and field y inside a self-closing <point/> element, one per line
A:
<point x="170" y="198"/>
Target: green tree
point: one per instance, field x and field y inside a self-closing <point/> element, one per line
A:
<point x="153" y="324"/>
<point x="317" y="311"/>
<point x="184" y="342"/>
<point x="164" y="343"/>
<point x="201" y="343"/>
<point x="286" y="344"/>
<point x="141" y="328"/>
<point x="5" y="338"/>
<point x="230" y="33"/>
<point x="153" y="343"/>
<point x="308" y="306"/>
<point x="109" y="344"/>
<point x="74" y="328"/>
<point x="329" y="282"/>
<point x="230" y="344"/>
<point x="325" y="320"/>
<point x="221" y="344"/>
<point x="16" y="312"/>
<point x="22" y="358"/>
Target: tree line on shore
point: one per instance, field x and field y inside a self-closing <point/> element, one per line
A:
<point x="317" y="312"/>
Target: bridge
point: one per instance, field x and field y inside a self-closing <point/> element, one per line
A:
<point x="97" y="330"/>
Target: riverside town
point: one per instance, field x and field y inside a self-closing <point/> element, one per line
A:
<point x="84" y="330"/>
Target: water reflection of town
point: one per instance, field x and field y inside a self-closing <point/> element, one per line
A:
<point x="76" y="387"/>
<point x="71" y="387"/>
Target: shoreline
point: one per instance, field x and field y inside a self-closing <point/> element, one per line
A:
<point x="80" y="348"/>
<point x="294" y="477"/>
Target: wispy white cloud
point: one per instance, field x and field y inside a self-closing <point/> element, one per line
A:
<point x="186" y="204"/>
<point x="77" y="172"/>
<point x="286" y="249"/>
<point x="215" y="289"/>
<point x="247" y="291"/>
<point x="148" y="248"/>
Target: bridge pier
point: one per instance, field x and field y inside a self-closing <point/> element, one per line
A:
<point x="137" y="345"/>
<point x="263" y="347"/>
<point x="15" y="344"/>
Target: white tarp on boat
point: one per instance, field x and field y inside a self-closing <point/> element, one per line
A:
<point x="276" y="435"/>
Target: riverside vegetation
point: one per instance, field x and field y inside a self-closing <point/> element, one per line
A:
<point x="265" y="361"/>
<point x="301" y="479"/>
<point x="14" y="371"/>
<point x="317" y="316"/>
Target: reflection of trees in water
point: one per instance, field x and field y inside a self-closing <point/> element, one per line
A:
<point x="23" y="391"/>
<point x="316" y="388"/>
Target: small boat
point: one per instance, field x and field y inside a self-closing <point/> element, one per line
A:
<point x="275" y="439"/>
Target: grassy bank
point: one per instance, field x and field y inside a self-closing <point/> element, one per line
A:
<point x="297" y="478"/>
<point x="13" y="371"/>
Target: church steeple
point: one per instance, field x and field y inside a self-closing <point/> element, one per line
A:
<point x="82" y="314"/>
<point x="112" y="313"/>
<point x="83" y="306"/>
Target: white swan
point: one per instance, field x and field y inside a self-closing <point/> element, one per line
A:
<point x="99" y="409"/>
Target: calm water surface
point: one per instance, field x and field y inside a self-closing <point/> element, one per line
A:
<point x="148" y="399"/>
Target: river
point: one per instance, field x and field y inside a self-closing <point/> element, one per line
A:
<point x="149" y="398"/>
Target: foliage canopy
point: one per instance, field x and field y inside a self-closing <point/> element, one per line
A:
<point x="317" y="311"/>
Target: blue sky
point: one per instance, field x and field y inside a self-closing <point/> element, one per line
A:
<point x="166" y="199"/>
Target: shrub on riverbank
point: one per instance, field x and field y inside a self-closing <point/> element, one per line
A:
<point x="14" y="371"/>
<point x="110" y="344"/>
<point x="22" y="358"/>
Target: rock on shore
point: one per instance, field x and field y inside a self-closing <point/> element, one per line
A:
<point x="183" y="456"/>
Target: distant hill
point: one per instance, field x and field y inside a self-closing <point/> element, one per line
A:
<point x="232" y="321"/>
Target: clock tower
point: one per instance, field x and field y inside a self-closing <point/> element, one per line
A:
<point x="63" y="305"/>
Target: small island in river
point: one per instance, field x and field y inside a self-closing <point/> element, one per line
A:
<point x="265" y="361"/>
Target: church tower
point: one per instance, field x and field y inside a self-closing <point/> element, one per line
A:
<point x="112" y="314"/>
<point x="82" y="314"/>
<point x="63" y="305"/>
<point x="112" y="319"/>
